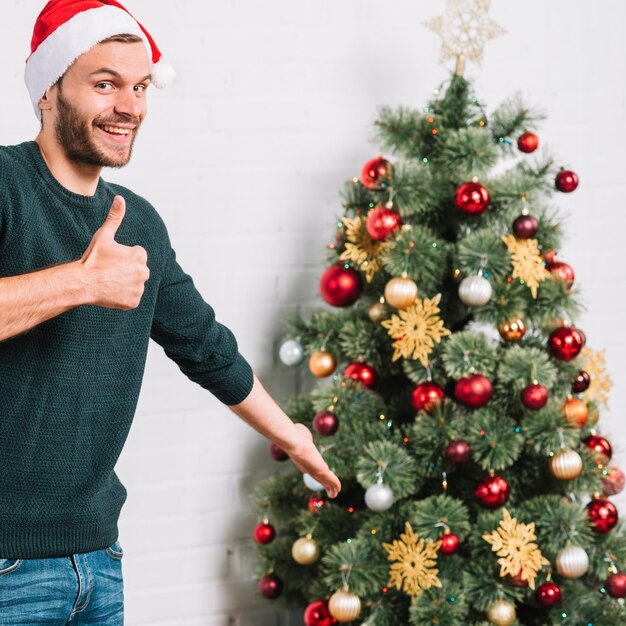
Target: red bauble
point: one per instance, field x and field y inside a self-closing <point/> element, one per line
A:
<point x="616" y="585"/>
<point x="548" y="594"/>
<point x="449" y="543"/>
<point x="376" y="173"/>
<point x="381" y="222"/>
<point x="525" y="226"/>
<point x="362" y="372"/>
<point x="534" y="396"/>
<point x="613" y="482"/>
<point x="473" y="391"/>
<point x="517" y="580"/>
<point x="492" y="492"/>
<point x="325" y="423"/>
<point x="264" y="533"/>
<point x="458" y="451"/>
<point x="581" y="382"/>
<point x="602" y="515"/>
<point x="427" y="396"/>
<point x="601" y="447"/>
<point x="563" y="271"/>
<point x="270" y="586"/>
<point x="566" y="342"/>
<point x="566" y="181"/>
<point x="340" y="285"/>
<point x="528" y="142"/>
<point x="471" y="198"/>
<point x="316" y="504"/>
<point x="317" y="614"/>
<point x="277" y="453"/>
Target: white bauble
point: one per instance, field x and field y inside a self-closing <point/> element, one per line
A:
<point x="475" y="291"/>
<point x="291" y="352"/>
<point x="311" y="483"/>
<point x="572" y="562"/>
<point x="344" y="606"/>
<point x="379" y="497"/>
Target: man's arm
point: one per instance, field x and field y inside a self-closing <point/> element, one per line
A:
<point x="108" y="275"/>
<point x="261" y="412"/>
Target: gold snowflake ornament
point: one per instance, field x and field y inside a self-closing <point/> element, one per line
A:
<point x="464" y="29"/>
<point x="415" y="559"/>
<point x="416" y="330"/>
<point x="361" y="249"/>
<point x="594" y="363"/>
<point x="528" y="265"/>
<point x="514" y="543"/>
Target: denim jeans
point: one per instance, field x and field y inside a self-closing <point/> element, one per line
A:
<point x="82" y="589"/>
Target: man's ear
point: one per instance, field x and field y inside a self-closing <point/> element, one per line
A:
<point x="45" y="100"/>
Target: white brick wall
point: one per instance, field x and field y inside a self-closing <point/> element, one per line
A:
<point x="243" y="157"/>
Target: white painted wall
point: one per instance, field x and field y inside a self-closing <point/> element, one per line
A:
<point x="243" y="157"/>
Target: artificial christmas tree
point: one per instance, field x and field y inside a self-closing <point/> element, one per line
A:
<point x="459" y="403"/>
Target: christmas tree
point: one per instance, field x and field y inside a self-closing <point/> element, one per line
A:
<point x="456" y="398"/>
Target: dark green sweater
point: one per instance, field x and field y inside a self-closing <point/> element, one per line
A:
<point x="69" y="387"/>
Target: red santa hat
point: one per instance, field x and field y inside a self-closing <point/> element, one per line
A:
<point x="65" y="29"/>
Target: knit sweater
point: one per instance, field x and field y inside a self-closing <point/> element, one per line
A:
<point x="69" y="386"/>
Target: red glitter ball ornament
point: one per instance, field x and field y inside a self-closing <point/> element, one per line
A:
<point x="382" y="222"/>
<point x="264" y="533"/>
<point x="473" y="391"/>
<point x="616" y="585"/>
<point x="548" y="594"/>
<point x="341" y="286"/>
<point x="316" y="504"/>
<point x="563" y="271"/>
<point x="534" y="396"/>
<point x="492" y="492"/>
<point x="525" y="226"/>
<point x="471" y="198"/>
<point x="270" y="586"/>
<point x="601" y="447"/>
<point x="449" y="543"/>
<point x="566" y="342"/>
<point x="613" y="482"/>
<point x="528" y="142"/>
<point x="362" y="372"/>
<point x="458" y="451"/>
<point x="427" y="396"/>
<point x="602" y="515"/>
<point x="566" y="181"/>
<point x="325" y="423"/>
<point x="277" y="453"/>
<point x="317" y="614"/>
<point x="376" y="173"/>
<point x="581" y="382"/>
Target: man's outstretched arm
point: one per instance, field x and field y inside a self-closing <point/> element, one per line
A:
<point x="260" y="411"/>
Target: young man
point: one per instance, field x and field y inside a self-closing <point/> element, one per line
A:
<point x="87" y="277"/>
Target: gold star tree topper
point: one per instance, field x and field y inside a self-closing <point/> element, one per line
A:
<point x="464" y="28"/>
<point x="361" y="249"/>
<point x="514" y="543"/>
<point x="415" y="559"/>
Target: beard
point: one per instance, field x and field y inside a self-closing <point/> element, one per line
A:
<point x="75" y="133"/>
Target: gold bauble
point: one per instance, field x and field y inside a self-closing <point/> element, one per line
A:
<point x="305" y="550"/>
<point x="572" y="562"/>
<point x="344" y="606"/>
<point x="576" y="412"/>
<point x="512" y="330"/>
<point x="400" y="292"/>
<point x="322" y="364"/>
<point x="566" y="465"/>
<point x="378" y="312"/>
<point x="501" y="613"/>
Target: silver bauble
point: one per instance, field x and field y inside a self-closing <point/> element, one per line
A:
<point x="474" y="291"/>
<point x="291" y="352"/>
<point x="379" y="497"/>
<point x="311" y="483"/>
<point x="501" y="613"/>
<point x="572" y="562"/>
<point x="344" y="606"/>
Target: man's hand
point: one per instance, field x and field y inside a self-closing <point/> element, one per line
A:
<point x="118" y="272"/>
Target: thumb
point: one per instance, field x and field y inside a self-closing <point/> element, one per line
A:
<point x="114" y="218"/>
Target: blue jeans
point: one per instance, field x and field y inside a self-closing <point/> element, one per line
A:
<point x="78" y="590"/>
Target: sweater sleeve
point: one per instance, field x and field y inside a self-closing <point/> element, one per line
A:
<point x="204" y="350"/>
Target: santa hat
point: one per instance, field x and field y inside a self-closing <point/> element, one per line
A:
<point x="65" y="29"/>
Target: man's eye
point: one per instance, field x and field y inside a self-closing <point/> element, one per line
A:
<point x="140" y="88"/>
<point x="104" y="86"/>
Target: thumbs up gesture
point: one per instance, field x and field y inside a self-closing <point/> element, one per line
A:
<point x="117" y="273"/>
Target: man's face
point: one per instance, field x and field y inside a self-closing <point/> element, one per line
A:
<point x="101" y="102"/>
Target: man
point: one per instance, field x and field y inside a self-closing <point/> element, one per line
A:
<point x="87" y="276"/>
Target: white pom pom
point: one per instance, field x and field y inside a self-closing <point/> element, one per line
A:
<point x="163" y="74"/>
